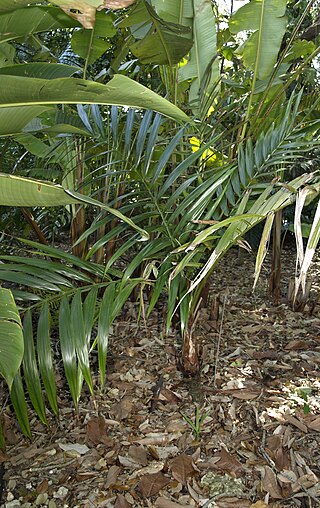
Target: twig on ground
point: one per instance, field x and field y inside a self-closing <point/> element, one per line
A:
<point x="219" y="341"/>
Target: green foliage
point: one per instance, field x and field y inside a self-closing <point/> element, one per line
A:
<point x="163" y="42"/>
<point x="122" y="175"/>
<point x="11" y="337"/>
<point x="17" y="23"/>
<point x="197" y="423"/>
<point x="90" y="44"/>
<point x="202" y="66"/>
<point x="268" y="23"/>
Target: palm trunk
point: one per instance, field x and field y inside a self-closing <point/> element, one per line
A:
<point x="190" y="360"/>
<point x="275" y="277"/>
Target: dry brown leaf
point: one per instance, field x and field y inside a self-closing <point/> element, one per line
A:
<point x="128" y="462"/>
<point x="138" y="454"/>
<point x="158" y="438"/>
<point x="279" y="455"/>
<point x="193" y="492"/>
<point x="269" y="354"/>
<point x="245" y="394"/>
<point x="84" y="11"/>
<point x="150" y="484"/>
<point x="121" y="410"/>
<point x="297" y="423"/>
<point x="3" y="457"/>
<point x="297" y="345"/>
<point x="163" y="502"/>
<point x="182" y="468"/>
<point x="42" y="487"/>
<point x="121" y="502"/>
<point x="176" y="426"/>
<point x="287" y="476"/>
<point x="308" y="480"/>
<point x="270" y="484"/>
<point x="313" y="422"/>
<point x="31" y="452"/>
<point x="97" y="432"/>
<point x="228" y="463"/>
<point x="152" y="468"/>
<point x="80" y="10"/>
<point x="112" y="476"/>
<point x="170" y="395"/>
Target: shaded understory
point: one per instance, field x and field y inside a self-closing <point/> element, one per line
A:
<point x="258" y="446"/>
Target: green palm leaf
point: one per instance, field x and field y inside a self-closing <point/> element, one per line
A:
<point x="104" y="324"/>
<point x="68" y="351"/>
<point x="80" y="338"/>
<point x="20" y="405"/>
<point x="30" y="369"/>
<point x="11" y="337"/>
<point x="45" y="357"/>
<point x="264" y="205"/>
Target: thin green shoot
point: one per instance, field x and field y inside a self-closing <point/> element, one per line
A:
<point x="196" y="423"/>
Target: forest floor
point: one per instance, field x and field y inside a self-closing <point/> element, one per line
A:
<point x="257" y="441"/>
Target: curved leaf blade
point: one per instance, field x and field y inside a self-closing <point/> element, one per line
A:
<point x="20" y="405"/>
<point x="45" y="358"/>
<point x="11" y="337"/>
<point x="120" y="91"/>
<point x="30" y="369"/>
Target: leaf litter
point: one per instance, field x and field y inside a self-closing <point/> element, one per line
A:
<point x="130" y="445"/>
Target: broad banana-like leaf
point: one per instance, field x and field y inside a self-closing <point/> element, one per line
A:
<point x="267" y="20"/>
<point x="7" y="54"/>
<point x="180" y="11"/>
<point x="91" y="44"/>
<point x="120" y="91"/>
<point x="11" y="337"/>
<point x="164" y="43"/>
<point x="14" y="120"/>
<point x="201" y="68"/>
<point x="21" y="191"/>
<point x="41" y="70"/>
<point x="9" y="5"/>
<point x="32" y="19"/>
